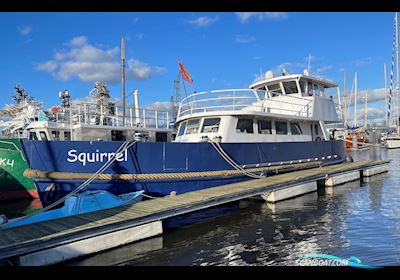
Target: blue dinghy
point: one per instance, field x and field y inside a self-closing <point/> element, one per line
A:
<point x="79" y="203"/>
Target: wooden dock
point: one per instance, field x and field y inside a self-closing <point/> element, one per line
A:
<point x="61" y="239"/>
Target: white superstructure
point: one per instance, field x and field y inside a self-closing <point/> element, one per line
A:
<point x="274" y="109"/>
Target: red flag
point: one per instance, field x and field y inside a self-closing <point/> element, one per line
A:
<point x="185" y="74"/>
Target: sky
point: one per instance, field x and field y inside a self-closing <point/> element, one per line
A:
<point x="47" y="52"/>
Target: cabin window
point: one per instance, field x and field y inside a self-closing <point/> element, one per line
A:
<point x="264" y="127"/>
<point x="43" y="135"/>
<point x="117" y="135"/>
<point x="193" y="126"/>
<point x="316" y="128"/>
<point x="281" y="128"/>
<point x="303" y="85"/>
<point x="290" y="87"/>
<point x="32" y="135"/>
<point x="295" y="129"/>
<point x="182" y="129"/>
<point x="275" y="89"/>
<point x="67" y="135"/>
<point x="55" y="135"/>
<point x="317" y="90"/>
<point x="244" y="126"/>
<point x="161" y="137"/>
<point x="211" y="125"/>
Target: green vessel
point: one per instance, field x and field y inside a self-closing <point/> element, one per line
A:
<point x="13" y="185"/>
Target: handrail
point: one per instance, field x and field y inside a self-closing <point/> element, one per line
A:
<point x="229" y="100"/>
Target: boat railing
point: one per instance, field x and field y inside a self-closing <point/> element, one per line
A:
<point x="91" y="114"/>
<point x="245" y="99"/>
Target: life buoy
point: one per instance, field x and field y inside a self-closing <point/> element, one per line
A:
<point x="318" y="138"/>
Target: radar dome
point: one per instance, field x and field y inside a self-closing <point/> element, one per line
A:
<point x="269" y="75"/>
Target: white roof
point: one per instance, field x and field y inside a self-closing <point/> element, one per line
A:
<point x="267" y="81"/>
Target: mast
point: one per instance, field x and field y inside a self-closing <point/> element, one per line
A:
<point x="123" y="79"/>
<point x="344" y="99"/>
<point x="386" y="99"/>
<point x="397" y="71"/>
<point x="365" y="109"/>
<point x="355" y="100"/>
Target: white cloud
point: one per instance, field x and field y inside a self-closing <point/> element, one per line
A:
<point x="138" y="70"/>
<point x="25" y="30"/>
<point x="78" y="41"/>
<point x="90" y="64"/>
<point x="246" y="16"/>
<point x="203" y="21"/>
<point x="243" y="39"/>
<point x="48" y="66"/>
<point x="159" y="106"/>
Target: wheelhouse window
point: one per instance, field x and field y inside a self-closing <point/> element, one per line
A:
<point x="67" y="135"/>
<point x="55" y="135"/>
<point x="264" y="127"/>
<point x="316" y="128"/>
<point x="193" y="126"/>
<point x="281" y="128"/>
<point x="32" y="135"/>
<point x="182" y="129"/>
<point x="317" y="90"/>
<point x="295" y="129"/>
<point x="117" y="135"/>
<point x="210" y="125"/>
<point x="275" y="89"/>
<point x="244" y="126"/>
<point x="43" y="135"/>
<point x="290" y="87"/>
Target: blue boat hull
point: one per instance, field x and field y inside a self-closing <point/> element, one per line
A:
<point x="162" y="157"/>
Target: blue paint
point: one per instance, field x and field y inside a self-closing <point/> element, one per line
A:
<point x="162" y="157"/>
<point x="79" y="203"/>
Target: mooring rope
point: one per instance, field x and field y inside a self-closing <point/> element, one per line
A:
<point x="231" y="162"/>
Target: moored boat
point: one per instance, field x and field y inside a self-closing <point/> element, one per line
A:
<point x="223" y="137"/>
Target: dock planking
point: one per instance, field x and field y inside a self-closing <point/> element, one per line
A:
<point x="49" y="234"/>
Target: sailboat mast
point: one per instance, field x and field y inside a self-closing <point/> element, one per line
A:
<point x="355" y="101"/>
<point x="123" y="79"/>
<point x="386" y="99"/>
<point x="344" y="99"/>
<point x="365" y="109"/>
<point x="397" y="71"/>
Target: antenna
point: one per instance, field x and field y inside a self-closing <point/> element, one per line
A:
<point x="309" y="62"/>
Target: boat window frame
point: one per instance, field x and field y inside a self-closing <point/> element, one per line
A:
<point x="290" y="81"/>
<point x="275" y="93"/>
<point x="195" y="131"/>
<point x="41" y="133"/>
<point x="297" y="125"/>
<point x="244" y="132"/>
<point x="259" y="127"/>
<point x="182" y="124"/>
<point x="276" y="127"/>
<point x="35" y="135"/>
<point x="54" y="133"/>
<point x="213" y="126"/>
<point x="65" y="138"/>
